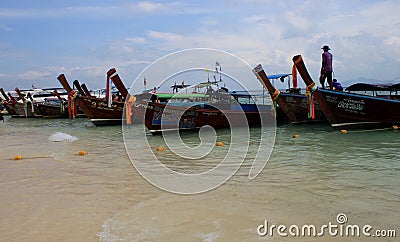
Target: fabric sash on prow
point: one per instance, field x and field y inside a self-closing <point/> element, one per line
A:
<point x="72" y="110"/>
<point x="311" y="85"/>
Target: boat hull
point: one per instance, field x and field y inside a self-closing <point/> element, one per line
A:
<point x="346" y="110"/>
<point x="10" y="109"/>
<point x="52" y="111"/>
<point x="158" y="118"/>
<point x="99" y="113"/>
<point x="22" y="112"/>
<point x="298" y="104"/>
<point x="360" y="111"/>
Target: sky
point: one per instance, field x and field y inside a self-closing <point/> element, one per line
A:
<point x="83" y="39"/>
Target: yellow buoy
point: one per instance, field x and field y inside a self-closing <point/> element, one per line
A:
<point x="296" y="136"/>
<point x="395" y="127"/>
<point x="343" y="131"/>
<point x="17" y="157"/>
<point x="82" y="153"/>
<point x="219" y="143"/>
<point x="160" y="148"/>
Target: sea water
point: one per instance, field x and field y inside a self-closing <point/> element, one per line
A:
<point x="54" y="194"/>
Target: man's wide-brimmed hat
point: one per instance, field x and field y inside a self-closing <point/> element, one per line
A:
<point x="325" y="47"/>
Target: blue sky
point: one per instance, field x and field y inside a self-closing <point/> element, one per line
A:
<point x="83" y="39"/>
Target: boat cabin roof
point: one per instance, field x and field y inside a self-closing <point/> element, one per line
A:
<point x="276" y="76"/>
<point x="374" y="87"/>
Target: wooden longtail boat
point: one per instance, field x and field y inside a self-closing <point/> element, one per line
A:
<point x="346" y="110"/>
<point x="29" y="103"/>
<point x="8" y="103"/>
<point x="25" y="107"/>
<point x="292" y="104"/>
<point x="98" y="110"/>
<point x="54" y="107"/>
<point x="191" y="111"/>
<point x="57" y="107"/>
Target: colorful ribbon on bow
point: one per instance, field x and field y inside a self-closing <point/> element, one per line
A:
<point x="274" y="104"/>
<point x="72" y="110"/>
<point x="62" y="108"/>
<point x="310" y="89"/>
<point x="129" y="102"/>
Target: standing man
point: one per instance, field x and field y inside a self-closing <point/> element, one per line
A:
<point x="326" y="68"/>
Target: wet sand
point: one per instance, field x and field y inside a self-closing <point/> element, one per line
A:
<point x="100" y="196"/>
<point x="49" y="200"/>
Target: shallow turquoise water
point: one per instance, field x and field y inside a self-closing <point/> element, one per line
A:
<point x="309" y="179"/>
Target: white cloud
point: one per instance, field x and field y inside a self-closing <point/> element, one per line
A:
<point x="32" y="75"/>
<point x="88" y="11"/>
<point x="148" y="6"/>
<point x="86" y="68"/>
<point x="258" y="31"/>
<point x="297" y="20"/>
<point x="255" y="19"/>
<point x="136" y="40"/>
<point x="167" y="36"/>
<point x="393" y="40"/>
<point x="127" y="49"/>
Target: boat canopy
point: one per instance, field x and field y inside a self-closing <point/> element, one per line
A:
<point x="276" y="76"/>
<point x="374" y="87"/>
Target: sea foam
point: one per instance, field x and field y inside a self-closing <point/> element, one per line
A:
<point x="62" y="137"/>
